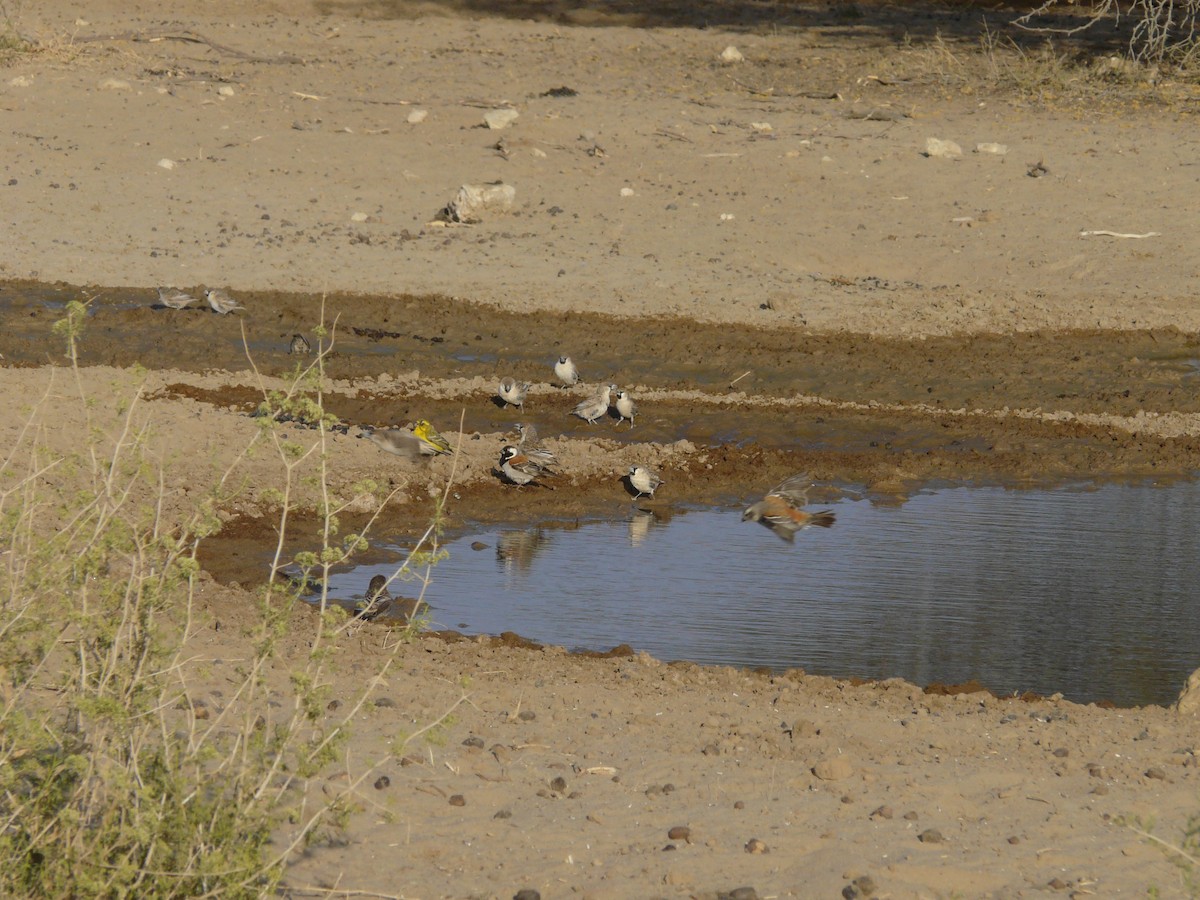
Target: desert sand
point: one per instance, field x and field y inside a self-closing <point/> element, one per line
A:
<point x="749" y="241"/>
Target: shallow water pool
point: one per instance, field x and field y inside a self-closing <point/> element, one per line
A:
<point x="1090" y="591"/>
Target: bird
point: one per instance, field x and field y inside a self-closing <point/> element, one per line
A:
<point x="594" y="407"/>
<point x="566" y="372"/>
<point x="376" y="601"/>
<point x="644" y="480"/>
<point x="174" y="298"/>
<point x="220" y="301"/>
<point x="780" y="509"/>
<point x="379" y="602"/>
<point x="531" y="447"/>
<point x="299" y="345"/>
<point x="432" y="443"/>
<point x="519" y="468"/>
<point x="398" y="441"/>
<point x="512" y="392"/>
<point x="626" y="408"/>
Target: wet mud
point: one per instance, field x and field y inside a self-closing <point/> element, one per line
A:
<point x="881" y="416"/>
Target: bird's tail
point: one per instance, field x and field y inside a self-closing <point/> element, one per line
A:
<point x="824" y="518"/>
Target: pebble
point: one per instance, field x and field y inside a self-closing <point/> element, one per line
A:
<point x="417" y="116"/>
<point x="833" y="769"/>
<point x="741" y="893"/>
<point x="558" y="785"/>
<point x="911" y="815"/>
<point x="498" y="119"/>
<point x="754" y="845"/>
<point x="930" y="836"/>
<point x="882" y="812"/>
<point x="991" y="147"/>
<point x="458" y="800"/>
<point x="503" y="814"/>
<point x="527" y="894"/>
<point x="114" y="84"/>
<point x="382" y="782"/>
<point x="862" y="886"/>
<point x="731" y="54"/>
<point x="478" y="545"/>
<point x="1156" y="773"/>
<point x="739" y="804"/>
<point x="680" y="833"/>
<point x="473" y="741"/>
<point x="936" y="148"/>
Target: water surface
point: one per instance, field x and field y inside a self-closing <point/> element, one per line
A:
<point x="1087" y="591"/>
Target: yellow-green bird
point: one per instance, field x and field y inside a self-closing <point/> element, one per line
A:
<point x="432" y="443"/>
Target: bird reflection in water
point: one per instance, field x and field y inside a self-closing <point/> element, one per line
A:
<point x="517" y="549"/>
<point x="643" y="519"/>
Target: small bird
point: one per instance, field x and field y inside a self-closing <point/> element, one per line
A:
<point x="397" y="441"/>
<point x="593" y="408"/>
<point x="780" y="509"/>
<point x="512" y="392"/>
<point x="299" y="345"/>
<point x="644" y="480"/>
<point x="626" y="408"/>
<point x="519" y="468"/>
<point x="531" y="447"/>
<point x="376" y="601"/>
<point x="220" y="301"/>
<point x="379" y="602"/>
<point x="432" y="443"/>
<point x="566" y="372"/>
<point x="174" y="298"/>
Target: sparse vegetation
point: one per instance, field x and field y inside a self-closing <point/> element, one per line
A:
<point x="116" y="777"/>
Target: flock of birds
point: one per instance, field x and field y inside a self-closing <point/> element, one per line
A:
<point x="526" y="462"/>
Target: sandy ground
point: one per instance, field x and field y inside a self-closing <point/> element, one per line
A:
<point x="769" y="269"/>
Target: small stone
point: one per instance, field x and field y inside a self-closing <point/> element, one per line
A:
<point x="861" y="887"/>
<point x="1100" y="790"/>
<point x="711" y="750"/>
<point x="382" y="782"/>
<point x="503" y="814"/>
<point x="527" y="894"/>
<point x="741" y="893"/>
<point x="359" y="217"/>
<point x="498" y="119"/>
<point x="165" y="163"/>
<point x="411" y="761"/>
<point x="680" y="833"/>
<point x="478" y="545"/>
<point x="558" y="785"/>
<point x="882" y="812"/>
<point x="115" y="84"/>
<point x="20" y="81"/>
<point x="225" y="90"/>
<point x="417" y="116"/>
<point x="458" y="800"/>
<point x="527" y="715"/>
<point x="1014" y="840"/>
<point x="1062" y="752"/>
<point x="731" y="54"/>
<point x="991" y="147"/>
<point x="385" y="703"/>
<point x="930" y="836"/>
<point x="1156" y="773"/>
<point x="935" y="148"/>
<point x="473" y="741"/>
<point x="668" y="788"/>
<point x="754" y="845"/>
<point x="739" y="804"/>
<point x="627" y="192"/>
<point x="911" y="815"/>
<point x="1057" y="884"/>
<point x="833" y="769"/>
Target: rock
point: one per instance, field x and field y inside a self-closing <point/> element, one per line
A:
<point x="225" y="91"/>
<point x="115" y="84"/>
<point x="458" y="800"/>
<point x="741" y="893"/>
<point x="20" y="81"/>
<point x="935" y="148"/>
<point x="382" y="782"/>
<point x="754" y="845"/>
<point x="882" y="812"/>
<point x="930" y="836"/>
<point x="165" y="163"/>
<point x="417" y="116"/>
<point x="473" y="201"/>
<point x="527" y="894"/>
<point x="627" y="192"/>
<point x="731" y="55"/>
<point x="680" y="833"/>
<point x="991" y="147"/>
<point x="833" y="769"/>
<point x="1188" y="702"/>
<point x="498" y="119"/>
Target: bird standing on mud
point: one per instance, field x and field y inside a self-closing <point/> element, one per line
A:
<point x="594" y="407"/>
<point x="173" y="298"/>
<point x="565" y="371"/>
<point x="521" y="469"/>
<point x="220" y="301"/>
<point x="625" y="407"/>
<point x="644" y="480"/>
<point x="512" y="392"/>
<point x="780" y="509"/>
